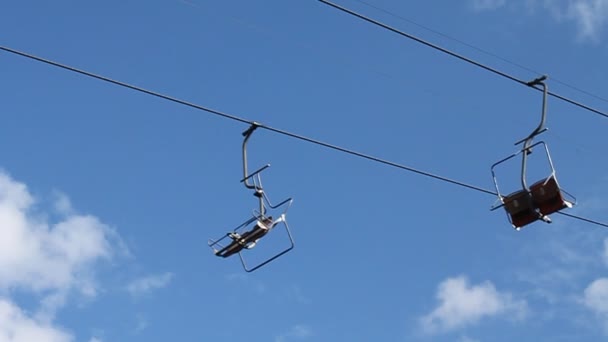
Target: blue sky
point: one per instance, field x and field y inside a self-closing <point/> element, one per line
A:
<point x="108" y="196"/>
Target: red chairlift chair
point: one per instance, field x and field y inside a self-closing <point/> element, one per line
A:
<point x="544" y="197"/>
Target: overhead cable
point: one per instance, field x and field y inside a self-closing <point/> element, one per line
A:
<point x="583" y="219"/>
<point x="483" y="51"/>
<point x="269" y="128"/>
<point x="122" y="84"/>
<point x="239" y="119"/>
<point x="461" y="57"/>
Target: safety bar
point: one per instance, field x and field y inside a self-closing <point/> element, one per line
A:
<point x="524" y="151"/>
<point x="255" y="173"/>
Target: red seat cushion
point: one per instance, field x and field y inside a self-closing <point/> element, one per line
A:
<point x="520" y="208"/>
<point x="547" y="196"/>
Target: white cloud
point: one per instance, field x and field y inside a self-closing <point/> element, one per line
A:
<point x="95" y="339"/>
<point x="16" y="326"/>
<point x="297" y="332"/>
<point x="48" y="260"/>
<point x="146" y="284"/>
<point x="40" y="256"/>
<point x="483" y="5"/>
<point x="595" y="298"/>
<point x="461" y="305"/>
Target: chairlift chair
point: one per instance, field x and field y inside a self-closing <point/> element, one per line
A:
<point x="238" y="240"/>
<point x="544" y="197"/>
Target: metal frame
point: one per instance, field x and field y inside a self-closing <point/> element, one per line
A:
<point x="253" y="182"/>
<point x="500" y="202"/>
<point x="524" y="182"/>
<point x="281" y="220"/>
<point x="527" y="149"/>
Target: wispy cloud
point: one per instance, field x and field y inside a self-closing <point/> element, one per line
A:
<point x="295" y="293"/>
<point x="461" y="304"/>
<point x="297" y="332"/>
<point x="141" y="323"/>
<point x="62" y="203"/>
<point x="149" y="283"/>
<point x="483" y="5"/>
<point x="557" y="263"/>
<point x="605" y="252"/>
<point x="257" y="285"/>
<point x="467" y="339"/>
<point x="589" y="16"/>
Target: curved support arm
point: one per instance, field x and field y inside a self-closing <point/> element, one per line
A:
<point x="524" y="160"/>
<point x="247" y="135"/>
<point x="540" y="81"/>
<point x="541" y="128"/>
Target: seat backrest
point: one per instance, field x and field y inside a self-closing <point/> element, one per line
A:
<point x="518" y="201"/>
<point x="520" y="208"/>
<point x="547" y="196"/>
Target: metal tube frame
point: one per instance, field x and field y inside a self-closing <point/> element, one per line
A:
<point x="218" y="243"/>
<point x="541" y="128"/>
<point x="247" y="135"/>
<point x="528" y="144"/>
<point x="282" y="219"/>
<point x="501" y="197"/>
<point x="253" y="181"/>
